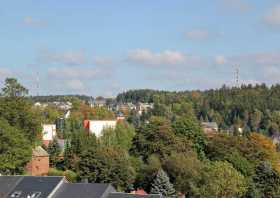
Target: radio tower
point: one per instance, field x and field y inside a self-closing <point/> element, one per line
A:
<point x="236" y="77"/>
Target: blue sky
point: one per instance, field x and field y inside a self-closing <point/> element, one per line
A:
<point x="106" y="47"/>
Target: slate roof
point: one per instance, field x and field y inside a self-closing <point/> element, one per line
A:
<point x="7" y="184"/>
<point x="28" y="185"/>
<point x="127" y="195"/>
<point x="84" y="190"/>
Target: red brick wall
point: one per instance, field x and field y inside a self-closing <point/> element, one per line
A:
<point x="38" y="166"/>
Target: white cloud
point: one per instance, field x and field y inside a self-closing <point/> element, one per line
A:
<point x="198" y="34"/>
<point x="148" y="57"/>
<point x="32" y="22"/>
<point x="273" y="16"/>
<point x="220" y="60"/>
<point x="69" y="57"/>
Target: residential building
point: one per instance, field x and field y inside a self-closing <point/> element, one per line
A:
<point x="143" y="107"/>
<point x="100" y="102"/>
<point x="49" y="133"/>
<point x="57" y="187"/>
<point x="39" y="163"/>
<point x="84" y="190"/>
<point x="97" y="126"/>
<point x="209" y="128"/>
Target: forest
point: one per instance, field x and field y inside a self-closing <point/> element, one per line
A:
<point x="164" y="150"/>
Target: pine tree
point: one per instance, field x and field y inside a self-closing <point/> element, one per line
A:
<point x="161" y="185"/>
<point x="54" y="151"/>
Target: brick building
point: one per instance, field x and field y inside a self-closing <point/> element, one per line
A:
<point x="39" y="164"/>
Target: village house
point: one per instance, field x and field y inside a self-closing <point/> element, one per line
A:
<point x="210" y="128"/>
<point x="39" y="163"/>
<point x="58" y="187"/>
<point x="97" y="126"/>
<point x="48" y="133"/>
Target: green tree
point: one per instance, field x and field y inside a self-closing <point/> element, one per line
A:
<point x="161" y="185"/>
<point x="267" y="181"/>
<point x="18" y="111"/>
<point x="13" y="88"/>
<point x="15" y="150"/>
<point x="220" y="179"/>
<point x="155" y="137"/>
<point x="107" y="165"/>
<point x="54" y="151"/>
<point x="184" y="170"/>
<point x="189" y="127"/>
<point x="121" y="136"/>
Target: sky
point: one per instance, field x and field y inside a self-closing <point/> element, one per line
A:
<point x="102" y="48"/>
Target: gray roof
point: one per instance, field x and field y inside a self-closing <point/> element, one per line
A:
<point x="7" y="184"/>
<point x="84" y="190"/>
<point x="28" y="185"/>
<point x="127" y="195"/>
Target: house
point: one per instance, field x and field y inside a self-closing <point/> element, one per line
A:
<point x="209" y="127"/>
<point x="84" y="190"/>
<point x="49" y="133"/>
<point x="143" y="107"/>
<point x="100" y="102"/>
<point x="97" y="126"/>
<point x="39" y="163"/>
<point x="120" y="116"/>
<point x="29" y="186"/>
<point x="57" y="187"/>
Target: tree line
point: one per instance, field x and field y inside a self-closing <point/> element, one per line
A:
<point x="162" y="151"/>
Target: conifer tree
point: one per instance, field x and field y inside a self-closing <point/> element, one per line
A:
<point x="161" y="185"/>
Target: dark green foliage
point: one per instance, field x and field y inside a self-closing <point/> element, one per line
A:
<point x="107" y="165"/>
<point x="189" y="128"/>
<point x="19" y="113"/>
<point x="161" y="185"/>
<point x="121" y="136"/>
<point x="157" y="137"/>
<point x="184" y="170"/>
<point x="267" y="181"/>
<point x="54" y="151"/>
<point x="15" y="150"/>
<point x="13" y="88"/>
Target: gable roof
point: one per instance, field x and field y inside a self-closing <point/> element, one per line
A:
<point x="27" y="185"/>
<point x="212" y="125"/>
<point x="84" y="190"/>
<point x="39" y="152"/>
<point x="127" y="195"/>
<point x="7" y="184"/>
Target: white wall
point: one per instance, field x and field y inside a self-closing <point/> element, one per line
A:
<point x="49" y="131"/>
<point x="97" y="126"/>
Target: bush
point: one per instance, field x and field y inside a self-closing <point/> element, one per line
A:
<point x="68" y="174"/>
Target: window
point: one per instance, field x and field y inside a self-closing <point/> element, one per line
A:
<point x="16" y="194"/>
<point x="34" y="195"/>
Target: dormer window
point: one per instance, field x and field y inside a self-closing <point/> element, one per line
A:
<point x="16" y="194"/>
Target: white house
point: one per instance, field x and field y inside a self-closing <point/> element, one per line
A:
<point x="49" y="133"/>
<point x="97" y="126"/>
